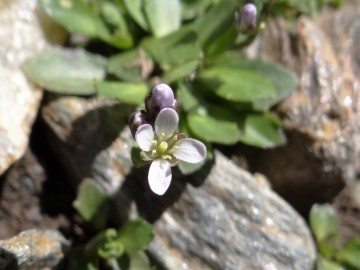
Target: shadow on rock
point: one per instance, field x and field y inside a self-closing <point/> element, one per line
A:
<point x="8" y="261"/>
<point x="151" y="206"/>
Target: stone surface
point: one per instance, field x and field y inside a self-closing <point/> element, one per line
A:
<point x="33" y="249"/>
<point x="21" y="36"/>
<point x="321" y="118"/>
<point x="231" y="221"/>
<point x="87" y="139"/>
<point x="223" y="219"/>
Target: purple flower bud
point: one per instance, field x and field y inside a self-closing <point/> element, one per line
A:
<point x="136" y="120"/>
<point x="163" y="96"/>
<point x="246" y="18"/>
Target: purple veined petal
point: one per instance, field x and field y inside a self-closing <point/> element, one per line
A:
<point x="190" y="150"/>
<point x="144" y="137"/>
<point x="159" y="176"/>
<point x="166" y="122"/>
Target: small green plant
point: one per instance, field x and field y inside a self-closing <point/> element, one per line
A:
<point x="333" y="255"/>
<point x="111" y="248"/>
<point x="194" y="46"/>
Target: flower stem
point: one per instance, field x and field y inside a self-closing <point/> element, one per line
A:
<point x="114" y="264"/>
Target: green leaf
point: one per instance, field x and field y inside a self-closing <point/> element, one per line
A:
<point x="135" y="235"/>
<point x="180" y="72"/>
<point x="92" y="203"/>
<point x="135" y="9"/>
<point x="191" y="9"/>
<point x="325" y="264"/>
<point x="350" y="254"/>
<point x="237" y="85"/>
<point x="323" y="222"/>
<point x="173" y="50"/>
<point x="215" y="22"/>
<point x="66" y="71"/>
<point x="129" y="93"/>
<point x="133" y="65"/>
<point x="262" y="130"/>
<point x="187" y="97"/>
<point x="120" y="36"/>
<point x="164" y="16"/>
<point x="139" y="261"/>
<point x="283" y="79"/>
<point x="213" y="129"/>
<point x="224" y="42"/>
<point x="110" y="246"/>
<point x="75" y="16"/>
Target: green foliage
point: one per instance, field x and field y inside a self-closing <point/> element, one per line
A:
<point x="192" y="45"/>
<point x="128" y="93"/>
<point x="92" y="203"/>
<point x="333" y="255"/>
<point x="66" y="71"/>
<point x="119" y="249"/>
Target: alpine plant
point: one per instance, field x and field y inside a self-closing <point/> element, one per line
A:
<point x="156" y="132"/>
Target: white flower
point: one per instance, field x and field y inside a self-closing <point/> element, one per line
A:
<point x="165" y="148"/>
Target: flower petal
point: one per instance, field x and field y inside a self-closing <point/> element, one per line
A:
<point x="166" y="122"/>
<point x="159" y="176"/>
<point x="144" y="137"/>
<point x="190" y="150"/>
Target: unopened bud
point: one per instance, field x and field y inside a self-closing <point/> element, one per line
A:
<point x="136" y="120"/>
<point x="246" y="18"/>
<point x="161" y="97"/>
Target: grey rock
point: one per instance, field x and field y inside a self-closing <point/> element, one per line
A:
<point x="224" y="219"/>
<point x="33" y="249"/>
<point x="90" y="140"/>
<point x="21" y="36"/>
<point x="321" y="118"/>
<point x="232" y="221"/>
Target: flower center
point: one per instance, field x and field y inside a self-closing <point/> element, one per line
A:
<point x="161" y="148"/>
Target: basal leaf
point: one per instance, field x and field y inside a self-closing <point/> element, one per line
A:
<point x="325" y="264"/>
<point x="350" y="254"/>
<point x="262" y="130"/>
<point x="191" y="9"/>
<point x="180" y="72"/>
<point x="187" y="97"/>
<point x="139" y="261"/>
<point x="283" y="79"/>
<point x="136" y="10"/>
<point x="120" y="36"/>
<point x="129" y="93"/>
<point x="164" y="16"/>
<point x="173" y="50"/>
<point x="135" y="235"/>
<point x="66" y="71"/>
<point x="91" y="203"/>
<point x="215" y="22"/>
<point x="212" y="129"/>
<point x="323" y="222"/>
<point x="237" y="85"/>
<point x="75" y="16"/>
<point x="133" y="65"/>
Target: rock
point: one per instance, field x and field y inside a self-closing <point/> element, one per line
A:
<point x="226" y="219"/>
<point x="33" y="249"/>
<point x="347" y="206"/>
<point x="321" y="119"/>
<point x="35" y="195"/>
<point x="87" y="139"/>
<point x="231" y="221"/>
<point x="21" y="36"/>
